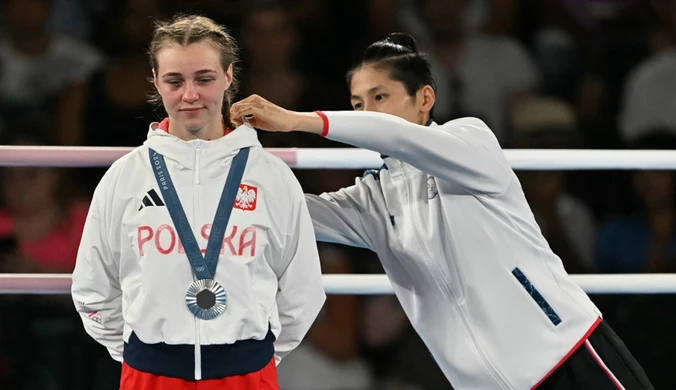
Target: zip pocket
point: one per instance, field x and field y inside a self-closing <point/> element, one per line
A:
<point x="537" y="297"/>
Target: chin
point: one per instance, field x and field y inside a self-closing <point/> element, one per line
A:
<point x="194" y="125"/>
<point x="192" y="128"/>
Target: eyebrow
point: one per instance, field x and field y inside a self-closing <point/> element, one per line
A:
<point x="198" y="73"/>
<point x="369" y="92"/>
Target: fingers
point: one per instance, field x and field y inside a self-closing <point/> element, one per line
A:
<point x="242" y="105"/>
<point x="239" y="110"/>
<point x="237" y="121"/>
<point x="261" y="114"/>
<point x="253" y="99"/>
<point x="249" y="106"/>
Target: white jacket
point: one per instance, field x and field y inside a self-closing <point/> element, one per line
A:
<point x="132" y="274"/>
<point x="448" y="218"/>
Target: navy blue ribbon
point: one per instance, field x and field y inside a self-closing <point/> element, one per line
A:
<point x="203" y="266"/>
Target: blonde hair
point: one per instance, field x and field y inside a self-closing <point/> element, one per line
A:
<point x="188" y="29"/>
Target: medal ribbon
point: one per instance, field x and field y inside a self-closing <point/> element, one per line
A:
<point x="203" y="266"/>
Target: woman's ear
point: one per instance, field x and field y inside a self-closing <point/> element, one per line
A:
<point x="427" y="98"/>
<point x="228" y="77"/>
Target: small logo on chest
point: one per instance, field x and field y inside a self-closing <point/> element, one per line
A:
<point x="246" y="199"/>
<point x="431" y="188"/>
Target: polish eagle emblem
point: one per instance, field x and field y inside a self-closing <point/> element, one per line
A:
<point x="246" y="197"/>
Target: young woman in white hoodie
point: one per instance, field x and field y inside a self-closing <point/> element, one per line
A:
<point x="198" y="265"/>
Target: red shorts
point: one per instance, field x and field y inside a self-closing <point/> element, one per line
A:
<point x="265" y="379"/>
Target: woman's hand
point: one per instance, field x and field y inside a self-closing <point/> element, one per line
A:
<point x="264" y="115"/>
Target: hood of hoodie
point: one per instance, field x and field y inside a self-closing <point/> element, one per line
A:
<point x="211" y="156"/>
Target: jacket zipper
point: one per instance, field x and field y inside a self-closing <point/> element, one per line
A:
<point x="445" y="286"/>
<point x="198" y="149"/>
<point x="198" y="350"/>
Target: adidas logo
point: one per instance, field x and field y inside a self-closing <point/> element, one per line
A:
<point x="151" y="199"/>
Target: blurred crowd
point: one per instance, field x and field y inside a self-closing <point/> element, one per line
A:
<point x="543" y="74"/>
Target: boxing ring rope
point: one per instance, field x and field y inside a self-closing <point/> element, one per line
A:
<point x="353" y="158"/>
<point x="59" y="284"/>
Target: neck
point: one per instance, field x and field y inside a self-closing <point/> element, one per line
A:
<point x="211" y="131"/>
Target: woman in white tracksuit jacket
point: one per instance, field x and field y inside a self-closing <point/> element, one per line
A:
<point x="133" y="284"/>
<point x="449" y="221"/>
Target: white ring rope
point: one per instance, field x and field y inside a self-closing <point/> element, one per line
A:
<point x="353" y="158"/>
<point x="371" y="284"/>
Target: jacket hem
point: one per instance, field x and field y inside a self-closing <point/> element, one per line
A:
<point x="218" y="361"/>
<point x="577" y="345"/>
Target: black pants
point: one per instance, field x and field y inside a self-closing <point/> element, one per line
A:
<point x="603" y="362"/>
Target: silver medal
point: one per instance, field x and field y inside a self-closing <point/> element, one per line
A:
<point x="206" y="299"/>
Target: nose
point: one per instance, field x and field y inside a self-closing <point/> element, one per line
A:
<point x="370" y="106"/>
<point x="190" y="94"/>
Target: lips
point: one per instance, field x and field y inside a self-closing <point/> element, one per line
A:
<point x="191" y="111"/>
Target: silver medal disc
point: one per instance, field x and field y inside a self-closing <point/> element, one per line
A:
<point x="206" y="299"/>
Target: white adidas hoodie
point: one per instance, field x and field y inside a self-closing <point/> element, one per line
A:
<point x="132" y="274"/>
<point x="450" y="223"/>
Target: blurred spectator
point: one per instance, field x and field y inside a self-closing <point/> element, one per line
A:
<point x="651" y="87"/>
<point x="42" y="75"/>
<point x="269" y="49"/>
<point x="226" y="12"/>
<point x="644" y="241"/>
<point x="329" y="29"/>
<point x="40" y="211"/>
<point x="663" y="29"/>
<point x="117" y="112"/>
<point x="328" y="358"/>
<point x="476" y="74"/>
<point x="567" y="224"/>
<point x="400" y="359"/>
<point x="269" y="43"/>
<point x="77" y="18"/>
<point x="382" y="19"/>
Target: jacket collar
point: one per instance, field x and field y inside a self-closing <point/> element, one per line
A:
<point x="211" y="153"/>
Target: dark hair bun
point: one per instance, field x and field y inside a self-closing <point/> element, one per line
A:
<point x="404" y="40"/>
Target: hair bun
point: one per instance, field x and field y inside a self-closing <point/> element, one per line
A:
<point x="404" y="40"/>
